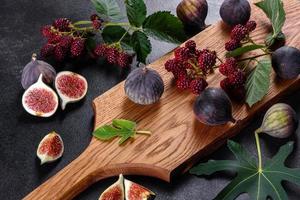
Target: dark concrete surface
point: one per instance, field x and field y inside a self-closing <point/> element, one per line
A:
<point x="20" y="133"/>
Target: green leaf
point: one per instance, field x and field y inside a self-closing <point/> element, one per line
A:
<point x="242" y="50"/>
<point x="112" y="34"/>
<point x="90" y="44"/>
<point x="136" y="12"/>
<point x="275" y="12"/>
<point x="164" y="26"/>
<point x="257" y="84"/>
<point x="108" y="9"/>
<point x="258" y="183"/>
<point x="141" y="45"/>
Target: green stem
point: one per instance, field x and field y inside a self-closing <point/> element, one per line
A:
<point x="144" y="132"/>
<point x="82" y="22"/>
<point x="250" y="58"/>
<point x="258" y="149"/>
<point x="117" y="24"/>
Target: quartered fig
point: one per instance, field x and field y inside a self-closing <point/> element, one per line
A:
<point x="34" y="69"/>
<point x="71" y="87"/>
<point x="286" y="62"/>
<point x="40" y="100"/>
<point x="144" y="86"/>
<point x="50" y="148"/>
<point x="279" y="121"/>
<point x="115" y="191"/>
<point x="134" y="191"/>
<point x="234" y="12"/>
<point x="213" y="107"/>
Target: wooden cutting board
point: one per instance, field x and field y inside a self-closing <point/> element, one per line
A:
<point x="178" y="140"/>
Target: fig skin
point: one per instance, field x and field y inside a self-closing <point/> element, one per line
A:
<point x="280" y="121"/>
<point x="193" y="13"/>
<point x="213" y="107"/>
<point x="144" y="86"/>
<point x="32" y="71"/>
<point x="234" y="12"/>
<point x="115" y="191"/>
<point x="286" y="62"/>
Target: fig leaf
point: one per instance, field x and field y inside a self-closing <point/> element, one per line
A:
<point x="244" y="49"/>
<point x="108" y="9"/>
<point x="164" y="26"/>
<point x="258" y="183"/>
<point x="258" y="82"/>
<point x="141" y="45"/>
<point x="136" y="12"/>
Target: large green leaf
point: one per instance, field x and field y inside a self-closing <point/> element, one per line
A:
<point x="164" y="26"/>
<point x="258" y="82"/>
<point x="136" y="12"/>
<point x="258" y="183"/>
<point x="244" y="49"/>
<point x="141" y="45"/>
<point x="108" y="9"/>
<point x="112" y="34"/>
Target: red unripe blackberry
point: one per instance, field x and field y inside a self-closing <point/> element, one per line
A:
<point x="59" y="53"/>
<point x="191" y="45"/>
<point x="251" y="26"/>
<point x="232" y="45"/>
<point x="234" y="92"/>
<point x="46" y="31"/>
<point x="206" y="60"/>
<point x="175" y="67"/>
<point x="47" y="50"/>
<point x="77" y="47"/>
<point x="94" y="17"/>
<point x="170" y="65"/>
<point x="96" y="24"/>
<point x="225" y="85"/>
<point x="228" y="67"/>
<point x="65" y="42"/>
<point x="182" y="54"/>
<point x="183" y="83"/>
<point x="101" y="50"/>
<point x="198" y="85"/>
<point x="237" y="78"/>
<point x="62" y="24"/>
<point x="124" y="59"/>
<point x="112" y="55"/>
<point x="55" y="39"/>
<point x="239" y="32"/>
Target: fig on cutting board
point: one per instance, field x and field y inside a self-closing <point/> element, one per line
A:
<point x="50" y="148"/>
<point x="134" y="191"/>
<point x="115" y="191"/>
<point x="71" y="87"/>
<point x="40" y="100"/>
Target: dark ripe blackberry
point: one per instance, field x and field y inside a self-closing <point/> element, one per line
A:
<point x="206" y="60"/>
<point x="65" y="42"/>
<point x="198" y="85"/>
<point x="112" y="55"/>
<point x="251" y="26"/>
<point x="94" y="17"/>
<point x="183" y="83"/>
<point x="239" y="32"/>
<point x="96" y="24"/>
<point x="47" y="50"/>
<point x="230" y="66"/>
<point x="182" y="54"/>
<point x="77" y="47"/>
<point x="101" y="50"/>
<point x="55" y="39"/>
<point x="124" y="59"/>
<point x="232" y="45"/>
<point x="191" y="45"/>
<point x="62" y="24"/>
<point x="59" y="53"/>
<point x="238" y="78"/>
<point x="170" y="65"/>
<point x="46" y="31"/>
<point x="225" y="85"/>
<point x="237" y="93"/>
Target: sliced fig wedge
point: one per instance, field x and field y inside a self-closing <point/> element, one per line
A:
<point x="40" y="100"/>
<point x="115" y="191"/>
<point x="134" y="191"/>
<point x="50" y="148"/>
<point x="71" y="87"/>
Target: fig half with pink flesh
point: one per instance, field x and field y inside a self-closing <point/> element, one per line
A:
<point x="40" y="100"/>
<point x="71" y="87"/>
<point x="115" y="191"/>
<point x="50" y="148"/>
<point x="134" y="191"/>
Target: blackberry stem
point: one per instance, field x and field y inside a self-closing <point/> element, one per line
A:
<point x="250" y="58"/>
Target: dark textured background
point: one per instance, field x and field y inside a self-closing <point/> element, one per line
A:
<point x="20" y="133"/>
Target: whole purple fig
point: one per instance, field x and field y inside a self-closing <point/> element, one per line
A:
<point x="235" y="12"/>
<point x="213" y="107"/>
<point x="144" y="86"/>
<point x="32" y="71"/>
<point x="286" y="62"/>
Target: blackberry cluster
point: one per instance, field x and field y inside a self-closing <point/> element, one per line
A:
<point x="96" y="21"/>
<point x="113" y="55"/>
<point x="238" y="34"/>
<point x="190" y="67"/>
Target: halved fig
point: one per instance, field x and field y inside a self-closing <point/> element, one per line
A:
<point x="115" y="191"/>
<point x="134" y="191"/>
<point x="40" y="100"/>
<point x="50" y="148"/>
<point x="71" y="87"/>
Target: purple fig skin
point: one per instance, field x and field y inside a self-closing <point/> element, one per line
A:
<point x="213" y="107"/>
<point x="144" y="86"/>
<point x="193" y="13"/>
<point x="286" y="62"/>
<point x="32" y="71"/>
<point x="234" y="12"/>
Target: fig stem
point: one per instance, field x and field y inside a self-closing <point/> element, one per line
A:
<point x="144" y="132"/>
<point x="33" y="57"/>
<point x="258" y="150"/>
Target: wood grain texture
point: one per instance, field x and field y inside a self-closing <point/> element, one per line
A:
<point x="178" y="140"/>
